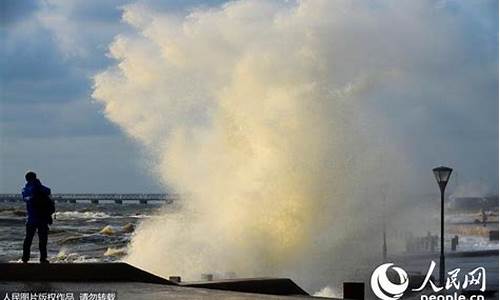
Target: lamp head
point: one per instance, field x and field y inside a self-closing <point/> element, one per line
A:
<point x="442" y="175"/>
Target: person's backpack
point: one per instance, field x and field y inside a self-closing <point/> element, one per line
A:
<point x="45" y="205"/>
<point x="51" y="208"/>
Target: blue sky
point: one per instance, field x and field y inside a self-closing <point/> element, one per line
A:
<point x="48" y="122"/>
<point x="49" y="51"/>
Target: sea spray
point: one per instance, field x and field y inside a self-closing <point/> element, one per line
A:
<point x="328" y="292"/>
<point x="257" y="113"/>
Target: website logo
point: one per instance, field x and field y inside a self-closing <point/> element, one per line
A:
<point x="383" y="288"/>
<point x="389" y="282"/>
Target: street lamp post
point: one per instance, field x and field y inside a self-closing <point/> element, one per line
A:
<point x="442" y="175"/>
<point x="384" y="235"/>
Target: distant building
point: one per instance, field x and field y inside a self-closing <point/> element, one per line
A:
<point x="474" y="203"/>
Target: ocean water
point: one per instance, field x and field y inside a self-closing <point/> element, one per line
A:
<point x="85" y="232"/>
<point x="81" y="232"/>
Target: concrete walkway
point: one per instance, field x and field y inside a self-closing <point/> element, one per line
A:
<point x="128" y="282"/>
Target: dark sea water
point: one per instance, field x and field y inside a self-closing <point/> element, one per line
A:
<point x="81" y="232"/>
<point x="86" y="232"/>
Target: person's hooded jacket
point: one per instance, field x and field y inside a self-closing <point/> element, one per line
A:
<point x="36" y="197"/>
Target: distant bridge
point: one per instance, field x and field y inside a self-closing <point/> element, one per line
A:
<point x="100" y="198"/>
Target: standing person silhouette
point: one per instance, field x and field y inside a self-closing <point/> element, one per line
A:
<point x="39" y="208"/>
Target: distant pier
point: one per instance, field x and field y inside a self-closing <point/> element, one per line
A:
<point x="101" y="198"/>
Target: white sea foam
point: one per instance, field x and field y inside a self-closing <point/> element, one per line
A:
<point x="327" y="292"/>
<point x="65" y="215"/>
<point x="116" y="251"/>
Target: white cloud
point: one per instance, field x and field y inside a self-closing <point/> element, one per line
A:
<point x="77" y="32"/>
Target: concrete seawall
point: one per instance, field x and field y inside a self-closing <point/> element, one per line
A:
<point x="272" y="286"/>
<point x="129" y="282"/>
<point x="84" y="272"/>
